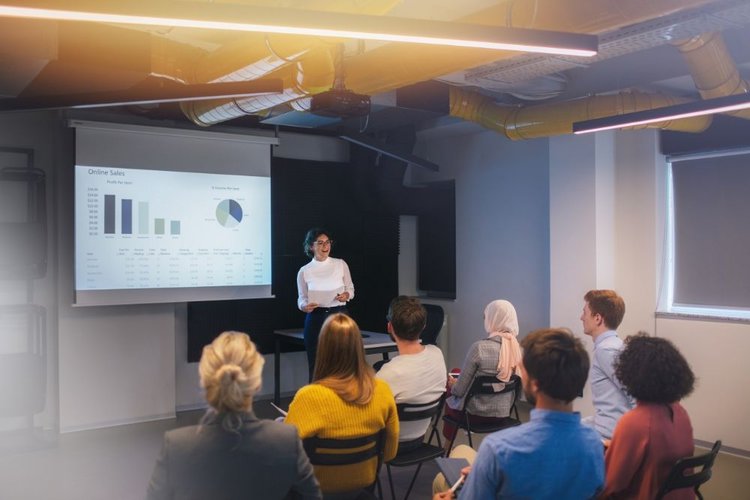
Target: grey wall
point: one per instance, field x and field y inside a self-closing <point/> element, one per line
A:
<point x="502" y="228"/>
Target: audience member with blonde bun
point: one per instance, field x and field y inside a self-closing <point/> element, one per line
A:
<point x="232" y="454"/>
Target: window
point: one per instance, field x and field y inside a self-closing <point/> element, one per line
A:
<point x="708" y="225"/>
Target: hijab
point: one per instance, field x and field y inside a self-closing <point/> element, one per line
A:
<point x="500" y="320"/>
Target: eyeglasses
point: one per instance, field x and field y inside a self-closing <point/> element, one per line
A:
<point x="322" y="243"/>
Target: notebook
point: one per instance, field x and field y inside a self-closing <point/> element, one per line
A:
<point x="451" y="468"/>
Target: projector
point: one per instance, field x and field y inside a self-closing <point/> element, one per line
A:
<point x="340" y="103"/>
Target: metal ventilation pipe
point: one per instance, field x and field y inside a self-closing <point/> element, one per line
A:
<point x="714" y="71"/>
<point x="312" y="74"/>
<point x="546" y="120"/>
<point x="395" y="65"/>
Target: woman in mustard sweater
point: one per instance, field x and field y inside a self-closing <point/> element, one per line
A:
<point x="344" y="401"/>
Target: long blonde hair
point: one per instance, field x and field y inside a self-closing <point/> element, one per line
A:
<point x="340" y="364"/>
<point x="230" y="372"/>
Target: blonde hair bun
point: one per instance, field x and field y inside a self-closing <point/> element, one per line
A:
<point x="230" y="371"/>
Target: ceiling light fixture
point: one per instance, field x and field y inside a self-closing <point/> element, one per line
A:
<point x="233" y="17"/>
<point x="686" y="110"/>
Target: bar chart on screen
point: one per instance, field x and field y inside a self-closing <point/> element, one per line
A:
<point x="162" y="229"/>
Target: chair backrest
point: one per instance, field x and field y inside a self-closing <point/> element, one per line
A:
<point x="684" y="475"/>
<point x="327" y="451"/>
<point x="486" y="384"/>
<point x="435" y="317"/>
<point x="420" y="411"/>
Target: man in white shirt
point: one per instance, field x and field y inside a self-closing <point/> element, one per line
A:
<point x="418" y="373"/>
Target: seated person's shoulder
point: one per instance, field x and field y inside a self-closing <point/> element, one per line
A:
<point x="638" y="420"/>
<point x="507" y="439"/>
<point x="433" y="350"/>
<point x="382" y="387"/>
<point x="607" y="353"/>
<point x="277" y="428"/>
<point x="182" y="434"/>
<point x="613" y="343"/>
<point x="311" y="391"/>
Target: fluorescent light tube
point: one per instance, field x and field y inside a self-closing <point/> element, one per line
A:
<point x="686" y="110"/>
<point x="233" y="17"/>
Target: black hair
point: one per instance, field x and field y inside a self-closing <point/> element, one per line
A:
<point x="310" y="237"/>
<point x="407" y="316"/>
<point x="652" y="370"/>
<point x="558" y="362"/>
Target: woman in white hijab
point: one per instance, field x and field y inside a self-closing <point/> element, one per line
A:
<point x="499" y="355"/>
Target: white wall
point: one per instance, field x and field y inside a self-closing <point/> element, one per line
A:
<point x="607" y="205"/>
<point x="718" y="355"/>
<point x="38" y="132"/>
<point x="502" y="229"/>
<point x="116" y="365"/>
<point x="574" y="233"/>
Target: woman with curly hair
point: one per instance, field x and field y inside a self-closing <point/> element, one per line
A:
<point x="649" y="439"/>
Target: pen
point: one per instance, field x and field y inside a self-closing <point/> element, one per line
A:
<point x="458" y="483"/>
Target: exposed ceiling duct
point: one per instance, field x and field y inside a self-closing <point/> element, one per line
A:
<point x="391" y="66"/>
<point x="312" y="73"/>
<point x="520" y="95"/>
<point x="714" y="71"/>
<point x="557" y="118"/>
<point x="515" y="74"/>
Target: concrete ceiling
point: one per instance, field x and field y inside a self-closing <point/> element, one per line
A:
<point x="43" y="57"/>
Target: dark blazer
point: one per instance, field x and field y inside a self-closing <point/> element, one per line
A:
<point x="265" y="460"/>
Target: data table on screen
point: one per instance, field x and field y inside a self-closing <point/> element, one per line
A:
<point x="158" y="229"/>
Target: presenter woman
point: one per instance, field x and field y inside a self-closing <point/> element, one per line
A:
<point x="324" y="286"/>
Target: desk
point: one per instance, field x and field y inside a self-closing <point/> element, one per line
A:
<point x="375" y="343"/>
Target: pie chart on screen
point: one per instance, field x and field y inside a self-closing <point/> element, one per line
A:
<point x="229" y="213"/>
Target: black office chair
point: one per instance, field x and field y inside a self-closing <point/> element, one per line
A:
<point x="683" y="474"/>
<point x="435" y="317"/>
<point x="425" y="452"/>
<point x="487" y="385"/>
<point x="326" y="451"/>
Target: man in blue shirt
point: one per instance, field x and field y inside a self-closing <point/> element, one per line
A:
<point x="603" y="311"/>
<point x="553" y="456"/>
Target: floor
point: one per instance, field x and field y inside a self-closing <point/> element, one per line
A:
<point x="116" y="463"/>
